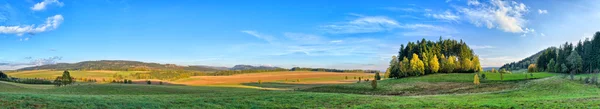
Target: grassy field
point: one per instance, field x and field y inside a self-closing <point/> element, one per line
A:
<point x="550" y="92"/>
<point x="290" y="77"/>
<point x="434" y="84"/>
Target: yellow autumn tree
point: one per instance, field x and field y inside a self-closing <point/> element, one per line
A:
<point x="476" y="79"/>
<point x="531" y="68"/>
<point x="417" y="66"/>
<point x="476" y="64"/>
<point x="493" y="70"/>
<point x="434" y="65"/>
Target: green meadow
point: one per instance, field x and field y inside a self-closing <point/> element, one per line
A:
<point x="543" y="91"/>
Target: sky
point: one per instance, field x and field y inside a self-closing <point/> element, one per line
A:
<point x="342" y="34"/>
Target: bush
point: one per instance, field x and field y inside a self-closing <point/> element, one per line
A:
<point x="161" y="83"/>
<point x="374" y="84"/>
<point x="148" y="82"/>
<point x="259" y="82"/>
<point x="483" y="77"/>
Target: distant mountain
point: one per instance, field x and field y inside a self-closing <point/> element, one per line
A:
<point x="120" y="65"/>
<point x="523" y="64"/>
<point x="250" y="67"/>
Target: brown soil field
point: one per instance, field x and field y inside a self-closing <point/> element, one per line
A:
<point x="287" y="77"/>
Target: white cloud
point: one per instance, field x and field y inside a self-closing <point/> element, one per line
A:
<point x="542" y="34"/>
<point x="473" y="2"/>
<point x="32" y="62"/>
<point x="481" y="47"/>
<point x="504" y="15"/>
<point x="42" y="5"/>
<point x="50" y="24"/>
<point x="449" y="16"/>
<point x="336" y="41"/>
<point x="366" y="24"/>
<point x="542" y="11"/>
<point x="267" y="38"/>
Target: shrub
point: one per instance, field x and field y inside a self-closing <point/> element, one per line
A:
<point x="483" y="77"/>
<point x="160" y="83"/>
<point x="374" y="84"/>
<point x="346" y="77"/>
<point x="259" y="82"/>
<point x="476" y="79"/>
<point x="377" y="76"/>
<point x="148" y="82"/>
<point x="359" y="79"/>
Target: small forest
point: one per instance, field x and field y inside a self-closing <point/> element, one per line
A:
<point x="428" y="57"/>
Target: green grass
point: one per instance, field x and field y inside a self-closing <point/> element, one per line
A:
<point x="433" y="84"/>
<point x="551" y="92"/>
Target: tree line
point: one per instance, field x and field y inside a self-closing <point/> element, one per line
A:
<point x="583" y="57"/>
<point x="429" y="57"/>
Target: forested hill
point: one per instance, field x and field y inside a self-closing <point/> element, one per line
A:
<point x="582" y="57"/>
<point x="522" y="64"/>
<point x="119" y="65"/>
<point x="250" y="67"/>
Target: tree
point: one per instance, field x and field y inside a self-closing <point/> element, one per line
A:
<point x="434" y="64"/>
<point x="66" y="78"/>
<point x="575" y="62"/>
<point x="2" y="75"/>
<point x="476" y="79"/>
<point x="374" y="84"/>
<point x="377" y="77"/>
<point x="531" y="68"/>
<point x="493" y="70"/>
<point x="148" y="82"/>
<point x="405" y="67"/>
<point x="477" y="67"/>
<point x="550" y="67"/>
<point x="417" y="65"/>
<point x="394" y="68"/>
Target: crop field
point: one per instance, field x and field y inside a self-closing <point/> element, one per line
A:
<point x="290" y="77"/>
<point x="541" y="92"/>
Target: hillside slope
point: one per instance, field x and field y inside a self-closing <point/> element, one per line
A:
<point x="522" y="64"/>
<point x="119" y="65"/>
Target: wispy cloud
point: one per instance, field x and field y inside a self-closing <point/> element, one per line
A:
<point x="50" y="24"/>
<point x="447" y="16"/>
<point x="42" y="5"/>
<point x="267" y="38"/>
<point x="365" y="24"/>
<point x="504" y="15"/>
<point x="540" y="11"/>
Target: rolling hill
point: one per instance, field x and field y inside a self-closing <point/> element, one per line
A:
<point x="119" y="65"/>
<point x="522" y="64"/>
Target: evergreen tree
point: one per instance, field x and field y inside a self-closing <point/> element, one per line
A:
<point x="66" y="78"/>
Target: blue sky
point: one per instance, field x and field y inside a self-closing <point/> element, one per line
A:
<point x="311" y="33"/>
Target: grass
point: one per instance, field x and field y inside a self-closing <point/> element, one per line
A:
<point x="433" y="84"/>
<point x="552" y="92"/>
